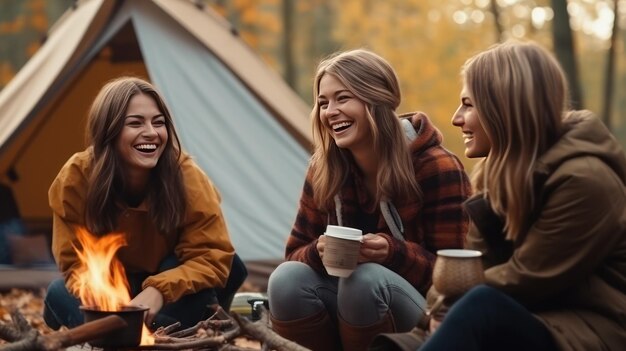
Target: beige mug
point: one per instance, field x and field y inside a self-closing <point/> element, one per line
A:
<point x="455" y="272"/>
<point x="341" y="252"/>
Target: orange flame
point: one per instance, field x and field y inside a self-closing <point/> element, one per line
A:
<point x="100" y="279"/>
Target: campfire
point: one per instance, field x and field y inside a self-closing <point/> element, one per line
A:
<point x="102" y="286"/>
<point x="100" y="283"/>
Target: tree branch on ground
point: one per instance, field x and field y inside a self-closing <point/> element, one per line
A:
<point x="217" y="333"/>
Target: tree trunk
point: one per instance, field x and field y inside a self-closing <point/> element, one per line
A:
<point x="495" y="10"/>
<point x="564" y="50"/>
<point x="288" y="30"/>
<point x="610" y="69"/>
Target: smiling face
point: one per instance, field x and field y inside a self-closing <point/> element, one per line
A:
<point x="343" y="115"/>
<point x="477" y="143"/>
<point x="143" y="137"/>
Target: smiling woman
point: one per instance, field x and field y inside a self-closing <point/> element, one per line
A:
<point x="134" y="179"/>
<point x="384" y="174"/>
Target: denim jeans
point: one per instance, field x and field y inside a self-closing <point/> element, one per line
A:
<point x="487" y="319"/>
<point x="296" y="291"/>
<point x="62" y="308"/>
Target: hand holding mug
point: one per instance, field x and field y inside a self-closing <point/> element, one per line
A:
<point x="374" y="248"/>
<point x="321" y="243"/>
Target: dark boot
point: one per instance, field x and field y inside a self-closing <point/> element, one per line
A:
<point x="409" y="341"/>
<point x="317" y="332"/>
<point x="358" y="338"/>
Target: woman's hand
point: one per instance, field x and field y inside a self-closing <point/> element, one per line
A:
<point x="434" y="324"/>
<point x="321" y="242"/>
<point x="150" y="297"/>
<point x="374" y="248"/>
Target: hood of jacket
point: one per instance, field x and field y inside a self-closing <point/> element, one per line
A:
<point x="584" y="135"/>
<point x="420" y="131"/>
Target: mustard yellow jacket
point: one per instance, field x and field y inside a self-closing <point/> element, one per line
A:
<point x="202" y="243"/>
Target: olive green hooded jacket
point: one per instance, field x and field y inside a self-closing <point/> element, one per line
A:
<point x="569" y="267"/>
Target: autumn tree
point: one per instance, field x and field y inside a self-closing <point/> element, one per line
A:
<point x="23" y="27"/>
<point x="564" y="49"/>
<point x="610" y="68"/>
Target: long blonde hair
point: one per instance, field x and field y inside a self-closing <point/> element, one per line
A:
<point x="372" y="80"/>
<point x="520" y="94"/>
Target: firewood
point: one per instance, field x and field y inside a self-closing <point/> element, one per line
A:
<point x="29" y="339"/>
<point x="223" y="322"/>
<point x="260" y="330"/>
<point x="83" y="333"/>
<point x="214" y="334"/>
<point x="17" y="330"/>
<point x="188" y="340"/>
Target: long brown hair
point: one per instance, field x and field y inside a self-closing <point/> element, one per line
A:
<point x="520" y="93"/>
<point x="106" y="184"/>
<point x="372" y="80"/>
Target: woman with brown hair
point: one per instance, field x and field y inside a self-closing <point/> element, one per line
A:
<point x="134" y="178"/>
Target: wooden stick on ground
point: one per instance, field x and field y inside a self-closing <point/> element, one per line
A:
<point x="29" y="339"/>
<point x="260" y="330"/>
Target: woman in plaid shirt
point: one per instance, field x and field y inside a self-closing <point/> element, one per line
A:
<point x="385" y="174"/>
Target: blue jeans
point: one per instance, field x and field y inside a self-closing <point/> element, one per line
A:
<point x="296" y="291"/>
<point x="487" y="319"/>
<point x="62" y="308"/>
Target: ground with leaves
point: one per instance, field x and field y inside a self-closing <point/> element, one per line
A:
<point x="30" y="304"/>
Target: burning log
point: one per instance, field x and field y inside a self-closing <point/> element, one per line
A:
<point x="24" y="338"/>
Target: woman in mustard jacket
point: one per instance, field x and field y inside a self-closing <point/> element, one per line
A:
<point x="133" y="178"/>
<point x="549" y="214"/>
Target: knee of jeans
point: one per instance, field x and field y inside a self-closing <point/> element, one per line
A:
<point x="364" y="287"/>
<point x="482" y="293"/>
<point x="56" y="288"/>
<point x="365" y="277"/>
<point x="284" y="280"/>
<point x="284" y="276"/>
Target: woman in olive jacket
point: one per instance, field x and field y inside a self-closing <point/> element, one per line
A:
<point x="549" y="214"/>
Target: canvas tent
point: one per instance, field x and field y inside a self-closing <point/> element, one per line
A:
<point x="245" y="127"/>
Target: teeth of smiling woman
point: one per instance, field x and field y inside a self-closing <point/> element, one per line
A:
<point x="146" y="147"/>
<point x="341" y="125"/>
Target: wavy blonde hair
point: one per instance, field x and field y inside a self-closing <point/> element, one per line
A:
<point x="520" y="94"/>
<point x="372" y="80"/>
<point x="106" y="182"/>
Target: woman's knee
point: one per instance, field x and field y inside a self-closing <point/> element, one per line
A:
<point x="482" y="303"/>
<point x="61" y="307"/>
<point x="287" y="278"/>
<point x="483" y="292"/>
<point x="56" y="288"/>
<point x="365" y="276"/>
<point x="483" y="295"/>
<point x="297" y="284"/>
<point x="372" y="291"/>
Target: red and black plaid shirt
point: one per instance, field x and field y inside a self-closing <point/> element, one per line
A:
<point x="438" y="222"/>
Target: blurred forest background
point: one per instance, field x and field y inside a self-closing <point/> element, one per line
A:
<point x="427" y="42"/>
